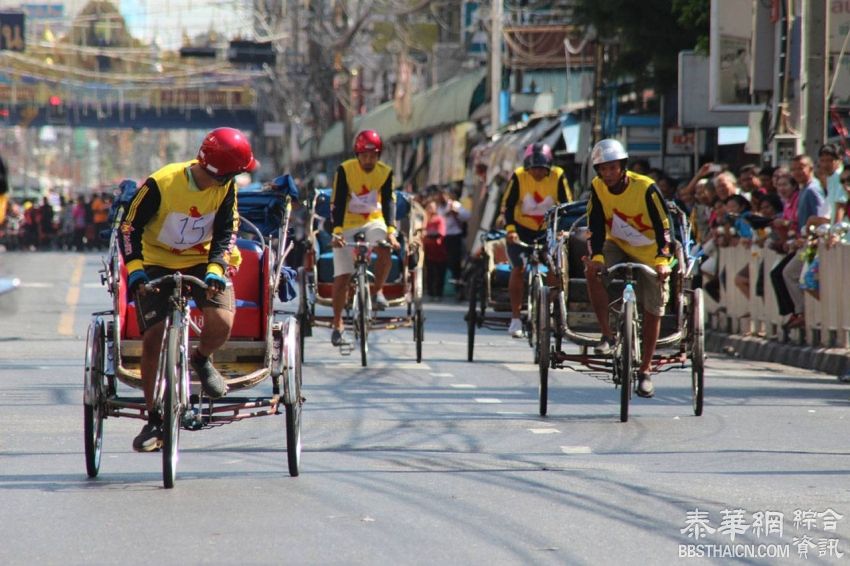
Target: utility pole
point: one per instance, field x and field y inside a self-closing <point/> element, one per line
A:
<point x="816" y="42"/>
<point x="599" y="56"/>
<point x="495" y="65"/>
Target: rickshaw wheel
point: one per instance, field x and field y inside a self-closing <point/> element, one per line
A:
<point x="698" y="351"/>
<point x="361" y="321"/>
<point x="543" y="345"/>
<point x="171" y="409"/>
<point x="471" y="321"/>
<point x="625" y="353"/>
<point x="93" y="412"/>
<point x="419" y="332"/>
<point x="293" y="423"/>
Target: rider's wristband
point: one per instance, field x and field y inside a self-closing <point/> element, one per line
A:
<point x="510" y="228"/>
<point x="391" y="230"/>
<point x="215" y="269"/>
<point x="598" y="258"/>
<point x="136" y="278"/>
<point x="337" y="231"/>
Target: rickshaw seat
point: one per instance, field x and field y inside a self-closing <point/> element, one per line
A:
<point x="253" y="302"/>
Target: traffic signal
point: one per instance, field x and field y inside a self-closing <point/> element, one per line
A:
<point x="56" y="111"/>
<point x="252" y="52"/>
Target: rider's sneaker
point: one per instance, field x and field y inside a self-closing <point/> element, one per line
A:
<point x="149" y="439"/>
<point x="515" y="328"/>
<point x="645" y="387"/>
<point x="604" y="347"/>
<point x="379" y="301"/>
<point x="211" y="381"/>
<point x="339" y="337"/>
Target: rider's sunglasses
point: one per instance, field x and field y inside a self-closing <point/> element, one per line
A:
<point x="221" y="179"/>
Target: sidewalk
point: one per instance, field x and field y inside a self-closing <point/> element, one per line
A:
<point x="833" y="361"/>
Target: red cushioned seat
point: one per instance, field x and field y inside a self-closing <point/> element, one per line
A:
<point x="253" y="301"/>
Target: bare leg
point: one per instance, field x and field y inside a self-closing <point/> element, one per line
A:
<point x="340" y="295"/>
<point x="599" y="301"/>
<point x="515" y="288"/>
<point x="651" y="330"/>
<point x="382" y="268"/>
<point x="151" y="344"/>
<point x="216" y="331"/>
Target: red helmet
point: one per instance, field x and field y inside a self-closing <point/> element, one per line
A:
<point x="537" y="155"/>
<point x="368" y="141"/>
<point x="226" y="151"/>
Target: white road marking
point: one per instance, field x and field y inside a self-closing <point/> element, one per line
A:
<point x="529" y="367"/>
<point x="487" y="400"/>
<point x="462" y="385"/>
<point x="544" y="431"/>
<point x="576" y="450"/>
<point x="35" y="285"/>
<point x="438" y="374"/>
<point x="372" y="365"/>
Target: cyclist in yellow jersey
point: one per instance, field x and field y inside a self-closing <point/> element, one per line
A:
<point x="363" y="200"/>
<point x="628" y="222"/>
<point x="184" y="218"/>
<point x="533" y="189"/>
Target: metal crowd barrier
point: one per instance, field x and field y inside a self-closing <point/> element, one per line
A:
<point x="827" y="317"/>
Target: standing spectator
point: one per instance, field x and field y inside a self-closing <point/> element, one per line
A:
<point x="766" y="179"/>
<point x="46" y="230"/>
<point x="811" y="203"/>
<point x="726" y="185"/>
<point x="100" y="218"/>
<point x="456" y="217"/>
<point x="79" y="213"/>
<point x="436" y="253"/>
<point x="830" y="169"/>
<point x="686" y="197"/>
<point x="749" y="181"/>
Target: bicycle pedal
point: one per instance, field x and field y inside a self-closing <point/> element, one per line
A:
<point x="346" y="349"/>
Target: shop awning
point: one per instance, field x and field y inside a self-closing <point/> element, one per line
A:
<point x="439" y="107"/>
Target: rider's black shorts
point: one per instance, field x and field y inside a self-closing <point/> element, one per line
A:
<point x="154" y="307"/>
<point x="518" y="255"/>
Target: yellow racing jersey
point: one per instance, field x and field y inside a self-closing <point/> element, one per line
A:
<point x="635" y="219"/>
<point x="527" y="200"/>
<point x="360" y="197"/>
<point x="172" y="223"/>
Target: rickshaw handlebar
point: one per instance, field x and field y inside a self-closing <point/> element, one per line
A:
<point x="632" y="265"/>
<point x="155" y="284"/>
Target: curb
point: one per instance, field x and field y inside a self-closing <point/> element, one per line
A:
<point x="834" y="361"/>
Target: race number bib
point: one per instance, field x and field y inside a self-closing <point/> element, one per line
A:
<point x="622" y="230"/>
<point x="180" y="231"/>
<point x="530" y="206"/>
<point x="363" y="204"/>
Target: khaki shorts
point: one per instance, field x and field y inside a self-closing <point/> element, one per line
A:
<point x="154" y="307"/>
<point x="344" y="257"/>
<point x="650" y="295"/>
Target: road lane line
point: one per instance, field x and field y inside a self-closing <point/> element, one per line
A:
<point x="66" y="321"/>
<point x="544" y="431"/>
<point x="463" y="386"/>
<point x="487" y="400"/>
<point x="576" y="450"/>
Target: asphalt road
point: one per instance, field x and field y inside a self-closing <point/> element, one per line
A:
<point x="443" y="462"/>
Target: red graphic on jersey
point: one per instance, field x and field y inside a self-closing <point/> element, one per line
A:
<point x="537" y="217"/>
<point x="364" y="190"/>
<point x="194" y="212"/>
<point x="634" y="221"/>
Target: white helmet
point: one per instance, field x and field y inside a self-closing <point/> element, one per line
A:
<point x="608" y="150"/>
<point x="321" y="180"/>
